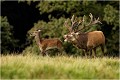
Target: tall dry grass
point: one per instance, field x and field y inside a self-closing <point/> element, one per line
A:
<point x="58" y="67"/>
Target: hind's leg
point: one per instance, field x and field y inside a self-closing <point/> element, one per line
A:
<point x="61" y="51"/>
<point x="43" y="53"/>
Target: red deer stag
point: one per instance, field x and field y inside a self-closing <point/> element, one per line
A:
<point x="47" y="44"/>
<point x="88" y="40"/>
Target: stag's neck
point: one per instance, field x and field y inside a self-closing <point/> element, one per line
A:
<point x="81" y="40"/>
<point x="38" y="39"/>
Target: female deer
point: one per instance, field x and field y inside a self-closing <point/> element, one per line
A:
<point x="47" y="44"/>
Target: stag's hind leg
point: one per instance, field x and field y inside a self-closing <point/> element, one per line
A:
<point x="102" y="48"/>
<point x="90" y="54"/>
<point x="94" y="54"/>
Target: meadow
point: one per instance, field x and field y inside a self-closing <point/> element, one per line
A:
<point x="58" y="67"/>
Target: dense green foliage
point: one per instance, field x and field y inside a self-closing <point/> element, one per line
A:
<point x="7" y="38"/>
<point x="54" y="13"/>
<point x="112" y="19"/>
<point x="59" y="67"/>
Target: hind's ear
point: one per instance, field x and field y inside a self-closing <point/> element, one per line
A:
<point x="39" y="30"/>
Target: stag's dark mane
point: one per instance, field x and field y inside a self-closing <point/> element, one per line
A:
<point x="82" y="39"/>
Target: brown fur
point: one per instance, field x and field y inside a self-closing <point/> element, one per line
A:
<point x="87" y="41"/>
<point x="46" y="44"/>
<point x="51" y="44"/>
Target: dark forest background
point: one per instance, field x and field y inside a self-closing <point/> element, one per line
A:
<point x="19" y="18"/>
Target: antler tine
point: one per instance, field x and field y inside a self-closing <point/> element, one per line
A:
<point x="66" y="23"/>
<point x="91" y="19"/>
<point x="99" y="21"/>
<point x="67" y="26"/>
<point x="91" y="16"/>
<point x="93" y="22"/>
<point x="75" y="23"/>
<point x="96" y="21"/>
<point x="81" y="21"/>
<point x="72" y="19"/>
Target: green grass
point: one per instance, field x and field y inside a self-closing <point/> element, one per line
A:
<point x="58" y="67"/>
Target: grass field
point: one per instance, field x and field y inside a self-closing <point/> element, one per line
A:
<point x="58" y="67"/>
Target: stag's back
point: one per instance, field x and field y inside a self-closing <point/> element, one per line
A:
<point x="95" y="39"/>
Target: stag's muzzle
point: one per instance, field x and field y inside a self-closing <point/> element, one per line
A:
<point x="65" y="36"/>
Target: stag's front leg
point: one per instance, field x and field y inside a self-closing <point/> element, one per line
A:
<point x="86" y="52"/>
<point x="90" y="53"/>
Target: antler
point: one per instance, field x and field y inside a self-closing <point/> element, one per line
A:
<point x="93" y="22"/>
<point x="67" y="26"/>
<point x="75" y="23"/>
<point x="90" y="23"/>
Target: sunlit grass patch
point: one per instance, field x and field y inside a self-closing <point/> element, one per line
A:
<point x="64" y="67"/>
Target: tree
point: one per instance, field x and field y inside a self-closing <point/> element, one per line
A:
<point x="111" y="17"/>
<point x="54" y="13"/>
<point x="8" y="42"/>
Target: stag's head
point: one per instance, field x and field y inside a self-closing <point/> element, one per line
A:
<point x="35" y="33"/>
<point x="75" y="23"/>
<point x="70" y="37"/>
